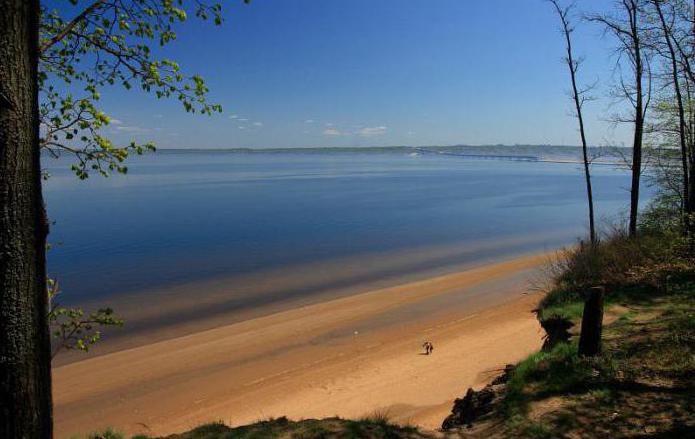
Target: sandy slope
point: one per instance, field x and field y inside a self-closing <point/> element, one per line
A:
<point x="348" y="357"/>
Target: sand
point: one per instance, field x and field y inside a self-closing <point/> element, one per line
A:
<point x="349" y="357"/>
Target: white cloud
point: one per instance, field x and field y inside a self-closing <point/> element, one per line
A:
<point x="332" y="132"/>
<point x="309" y="121"/>
<point x="372" y="131"/>
<point x="243" y="120"/>
<point x="132" y="129"/>
<point x="241" y="128"/>
<point x="233" y="116"/>
<point x="258" y="124"/>
<point x="116" y="122"/>
<point x="329" y="124"/>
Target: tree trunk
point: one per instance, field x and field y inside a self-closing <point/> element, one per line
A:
<point x="585" y="148"/>
<point x="578" y="99"/>
<point x="691" y="203"/>
<point x="592" y="323"/>
<point x="639" y="118"/>
<point x="636" y="173"/>
<point x="25" y="375"/>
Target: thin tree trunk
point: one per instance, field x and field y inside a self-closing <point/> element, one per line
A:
<point x="636" y="174"/>
<point x="25" y="375"/>
<point x="585" y="153"/>
<point x="589" y="192"/>
<point x="687" y="205"/>
<point x="691" y="202"/>
<point x="573" y="65"/>
<point x="691" y="178"/>
<point x="639" y="124"/>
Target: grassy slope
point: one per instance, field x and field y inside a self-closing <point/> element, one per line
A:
<point x="641" y="386"/>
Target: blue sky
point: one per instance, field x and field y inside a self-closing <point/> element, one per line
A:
<point x="293" y="73"/>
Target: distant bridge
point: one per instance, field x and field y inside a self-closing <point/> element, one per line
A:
<point x="515" y="158"/>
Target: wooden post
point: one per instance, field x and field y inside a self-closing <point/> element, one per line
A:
<point x="592" y="323"/>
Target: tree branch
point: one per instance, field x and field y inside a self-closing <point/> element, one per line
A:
<point x="70" y="26"/>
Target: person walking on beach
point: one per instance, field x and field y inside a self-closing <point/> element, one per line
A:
<point x="428" y="346"/>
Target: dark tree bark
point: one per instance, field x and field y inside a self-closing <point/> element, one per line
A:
<point x="592" y="323"/>
<point x="578" y="98"/>
<point x="691" y="179"/>
<point x="633" y="13"/>
<point x="25" y="375"/>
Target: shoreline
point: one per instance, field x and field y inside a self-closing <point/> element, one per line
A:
<point x="349" y="356"/>
<point x="172" y="311"/>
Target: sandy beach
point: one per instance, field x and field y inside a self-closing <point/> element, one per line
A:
<point x="350" y="357"/>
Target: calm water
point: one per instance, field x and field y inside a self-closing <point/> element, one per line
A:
<point x="185" y="217"/>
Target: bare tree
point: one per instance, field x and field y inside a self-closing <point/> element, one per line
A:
<point x="672" y="56"/>
<point x="579" y="97"/>
<point x="626" y="26"/>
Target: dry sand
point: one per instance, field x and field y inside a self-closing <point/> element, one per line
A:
<point x="349" y="357"/>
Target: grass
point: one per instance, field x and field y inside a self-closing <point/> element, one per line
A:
<point x="377" y="426"/>
<point x="105" y="434"/>
<point x="570" y="310"/>
<point x="641" y="385"/>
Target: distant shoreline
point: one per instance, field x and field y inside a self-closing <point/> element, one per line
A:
<point x="572" y="148"/>
<point x="525" y="153"/>
<point x="428" y="151"/>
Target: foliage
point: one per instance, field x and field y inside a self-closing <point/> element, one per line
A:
<point x="71" y="327"/>
<point x="618" y="261"/>
<point x="110" y="43"/>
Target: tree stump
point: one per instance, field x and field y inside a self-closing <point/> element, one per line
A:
<point x="592" y="323"/>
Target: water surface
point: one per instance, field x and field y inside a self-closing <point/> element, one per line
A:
<point x="186" y="217"/>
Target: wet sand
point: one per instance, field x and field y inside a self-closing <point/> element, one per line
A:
<point x="349" y="356"/>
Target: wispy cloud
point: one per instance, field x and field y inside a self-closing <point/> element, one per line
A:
<point x="309" y="121"/>
<point x="258" y="124"/>
<point x="243" y="120"/>
<point x="372" y="131"/>
<point x="116" y="122"/>
<point x="332" y="132"/>
<point x="132" y="129"/>
<point x="233" y="116"/>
